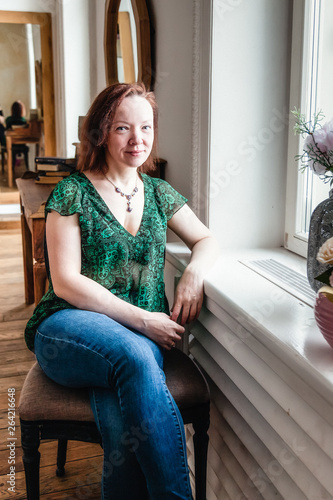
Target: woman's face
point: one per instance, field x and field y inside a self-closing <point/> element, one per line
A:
<point x="132" y="134"/>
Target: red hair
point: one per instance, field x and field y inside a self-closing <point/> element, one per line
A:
<point x="98" y="121"/>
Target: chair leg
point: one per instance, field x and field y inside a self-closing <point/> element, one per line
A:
<point x="13" y="160"/>
<point x="200" y="441"/>
<point x="61" y="457"/>
<point x="26" y="159"/>
<point x="31" y="457"/>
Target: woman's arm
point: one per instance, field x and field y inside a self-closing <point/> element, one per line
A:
<point x="64" y="252"/>
<point x="205" y="250"/>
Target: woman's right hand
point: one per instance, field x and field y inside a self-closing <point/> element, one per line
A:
<point x="162" y="330"/>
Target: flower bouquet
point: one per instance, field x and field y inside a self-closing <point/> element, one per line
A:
<point x="317" y="156"/>
<point x="318" y="145"/>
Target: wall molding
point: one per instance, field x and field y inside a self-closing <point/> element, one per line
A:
<point x="59" y="77"/>
<point x="201" y="91"/>
<point x="196" y="37"/>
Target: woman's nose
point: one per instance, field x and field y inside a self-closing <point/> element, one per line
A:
<point x="136" y="138"/>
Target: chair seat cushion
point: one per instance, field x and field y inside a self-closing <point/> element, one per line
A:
<point x="43" y="399"/>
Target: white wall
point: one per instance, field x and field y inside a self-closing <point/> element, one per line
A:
<point x="173" y="38"/>
<point x="76" y="66"/>
<point x="98" y="76"/>
<point x="24" y="5"/>
<point x="250" y="106"/>
<point x="14" y="67"/>
<point x="249" y="113"/>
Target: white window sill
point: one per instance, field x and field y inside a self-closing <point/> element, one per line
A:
<point x="276" y="325"/>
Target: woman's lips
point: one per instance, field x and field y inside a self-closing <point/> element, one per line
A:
<point x="135" y="153"/>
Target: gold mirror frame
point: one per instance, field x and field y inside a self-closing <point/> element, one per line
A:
<point x="142" y="22"/>
<point x="44" y="21"/>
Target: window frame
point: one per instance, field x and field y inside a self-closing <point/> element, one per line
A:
<point x="303" y="92"/>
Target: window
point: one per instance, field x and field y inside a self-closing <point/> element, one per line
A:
<point x="311" y="91"/>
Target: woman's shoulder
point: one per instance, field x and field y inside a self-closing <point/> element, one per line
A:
<point x="167" y="198"/>
<point x="73" y="181"/>
<point x="10" y="120"/>
<point x="67" y="193"/>
<point x="154" y="182"/>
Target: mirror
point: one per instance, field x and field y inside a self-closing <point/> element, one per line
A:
<point x="20" y="65"/>
<point x="127" y="45"/>
<point x="32" y="30"/>
<point x="127" y="52"/>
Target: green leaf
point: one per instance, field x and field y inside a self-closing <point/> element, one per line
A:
<point x="325" y="276"/>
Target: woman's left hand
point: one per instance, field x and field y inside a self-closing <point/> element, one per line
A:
<point x="188" y="297"/>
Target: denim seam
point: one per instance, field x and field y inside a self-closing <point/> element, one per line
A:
<point x="177" y="425"/>
<point x="179" y="436"/>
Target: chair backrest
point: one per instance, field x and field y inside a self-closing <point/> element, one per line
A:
<point x="15" y="127"/>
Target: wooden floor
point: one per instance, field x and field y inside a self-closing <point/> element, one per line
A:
<point x="84" y="464"/>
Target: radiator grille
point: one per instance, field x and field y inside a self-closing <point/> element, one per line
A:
<point x="283" y="276"/>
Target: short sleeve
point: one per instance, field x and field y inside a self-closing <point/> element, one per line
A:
<point x="169" y="199"/>
<point x="66" y="198"/>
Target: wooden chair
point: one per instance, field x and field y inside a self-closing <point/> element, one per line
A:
<point x="50" y="411"/>
<point x="17" y="139"/>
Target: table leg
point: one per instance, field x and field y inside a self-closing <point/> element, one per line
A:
<point x="9" y="161"/>
<point x="27" y="259"/>
<point x="39" y="272"/>
<point x="40" y="280"/>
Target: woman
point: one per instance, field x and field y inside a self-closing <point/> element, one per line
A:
<point x="104" y="322"/>
<point x="18" y="115"/>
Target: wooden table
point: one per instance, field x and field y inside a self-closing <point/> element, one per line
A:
<point x="31" y="134"/>
<point x="32" y="199"/>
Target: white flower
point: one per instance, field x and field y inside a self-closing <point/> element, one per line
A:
<point x="318" y="146"/>
<point x="325" y="254"/>
<point x="322" y="140"/>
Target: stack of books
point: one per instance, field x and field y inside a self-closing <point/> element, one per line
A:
<point x="51" y="169"/>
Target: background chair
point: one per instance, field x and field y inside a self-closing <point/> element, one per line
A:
<point x="17" y="139"/>
<point x="50" y="411"/>
<point x="18" y="149"/>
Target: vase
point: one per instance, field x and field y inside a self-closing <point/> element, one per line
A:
<point x="320" y="230"/>
<point x="323" y="311"/>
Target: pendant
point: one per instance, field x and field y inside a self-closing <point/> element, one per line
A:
<point x="127" y="196"/>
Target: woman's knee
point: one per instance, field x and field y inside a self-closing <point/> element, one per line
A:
<point x="138" y="363"/>
<point x="70" y="363"/>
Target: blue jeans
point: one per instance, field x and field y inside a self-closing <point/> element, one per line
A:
<point x="141" y="427"/>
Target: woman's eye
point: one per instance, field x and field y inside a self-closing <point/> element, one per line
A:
<point x="121" y="128"/>
<point x="146" y="127"/>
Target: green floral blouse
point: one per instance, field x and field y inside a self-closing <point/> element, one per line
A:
<point x="131" y="267"/>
